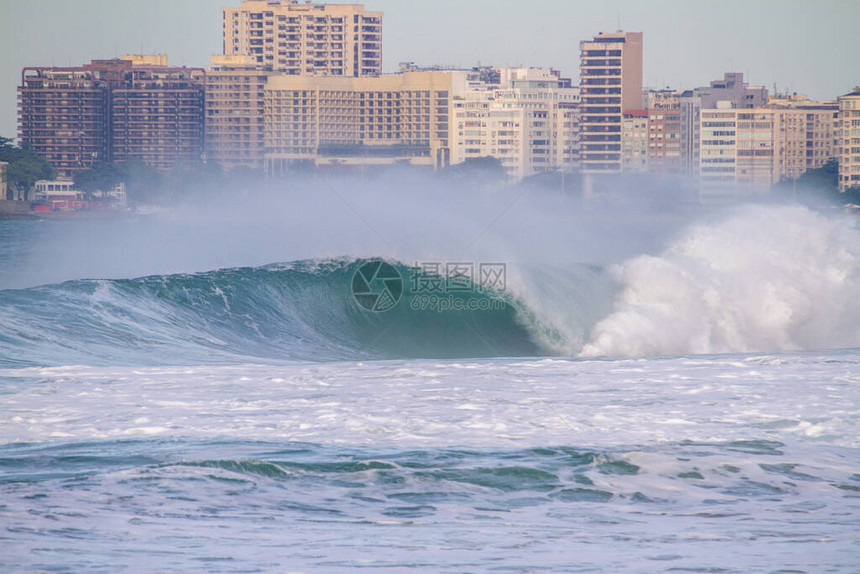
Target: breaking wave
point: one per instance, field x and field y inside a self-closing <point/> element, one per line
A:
<point x="762" y="279"/>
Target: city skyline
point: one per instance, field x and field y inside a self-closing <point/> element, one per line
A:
<point x="764" y="41"/>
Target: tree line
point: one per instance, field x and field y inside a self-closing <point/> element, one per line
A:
<point x="24" y="170"/>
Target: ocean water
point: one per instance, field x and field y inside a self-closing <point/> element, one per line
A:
<point x="688" y="405"/>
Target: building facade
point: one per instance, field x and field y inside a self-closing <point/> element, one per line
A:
<point x="157" y="116"/>
<point x="610" y="83"/>
<point x="359" y="121"/>
<point x="235" y="112"/>
<point x="849" y="140"/>
<point x="691" y="115"/>
<point x="634" y="141"/>
<point x="748" y="149"/>
<point x="804" y="134"/>
<point x="528" y="120"/>
<point x="732" y="89"/>
<point x="305" y="39"/>
<point x="112" y="110"/>
<point x="664" y="132"/>
<point x="63" y="113"/>
<point x="717" y="153"/>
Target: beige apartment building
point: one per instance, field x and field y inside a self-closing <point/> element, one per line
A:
<point x="235" y="112"/>
<point x="157" y="116"/>
<point x="737" y="151"/>
<point x="634" y="141"/>
<point x="751" y="149"/>
<point x="718" y="153"/>
<point x="529" y="121"/>
<point x="306" y="38"/>
<point x="363" y="121"/>
<point x="755" y="165"/>
<point x="664" y="132"/>
<point x="134" y="108"/>
<point x="610" y="84"/>
<point x="805" y="133"/>
<point x="849" y="140"/>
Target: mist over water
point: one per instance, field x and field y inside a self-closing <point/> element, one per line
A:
<point x="580" y="279"/>
<point x="404" y="215"/>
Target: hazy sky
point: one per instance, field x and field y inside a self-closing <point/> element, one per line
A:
<point x="803" y="45"/>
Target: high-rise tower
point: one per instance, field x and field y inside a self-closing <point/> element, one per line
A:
<point x="306" y="39"/>
<point x="610" y="84"/>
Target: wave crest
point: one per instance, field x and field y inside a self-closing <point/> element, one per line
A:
<point x="766" y="279"/>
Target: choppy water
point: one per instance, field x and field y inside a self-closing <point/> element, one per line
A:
<point x="255" y="419"/>
<point x="730" y="463"/>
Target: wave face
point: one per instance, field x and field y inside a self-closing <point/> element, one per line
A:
<point x="298" y="311"/>
<point x="765" y="279"/>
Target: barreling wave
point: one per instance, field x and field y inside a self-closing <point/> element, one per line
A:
<point x="777" y="278"/>
<point x="303" y="311"/>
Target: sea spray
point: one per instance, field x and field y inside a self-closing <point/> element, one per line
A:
<point x="764" y="279"/>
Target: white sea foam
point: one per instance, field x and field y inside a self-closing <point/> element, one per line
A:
<point x="428" y="403"/>
<point x="766" y="279"/>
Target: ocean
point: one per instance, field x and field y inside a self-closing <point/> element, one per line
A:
<point x="629" y="393"/>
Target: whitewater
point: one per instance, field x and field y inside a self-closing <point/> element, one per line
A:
<point x="642" y="393"/>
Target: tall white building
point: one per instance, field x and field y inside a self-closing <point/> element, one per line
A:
<point x="529" y="121"/>
<point x="849" y="140"/>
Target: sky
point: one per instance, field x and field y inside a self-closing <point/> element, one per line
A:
<point x="806" y="46"/>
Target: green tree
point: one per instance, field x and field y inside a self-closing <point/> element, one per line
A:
<point x="25" y="168"/>
<point x="101" y="177"/>
<point x="819" y="184"/>
<point x="143" y="183"/>
<point x="478" y="171"/>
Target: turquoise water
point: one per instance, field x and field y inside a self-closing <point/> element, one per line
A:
<point x="694" y="409"/>
<point x="729" y="463"/>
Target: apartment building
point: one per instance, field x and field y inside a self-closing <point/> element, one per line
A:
<point x="157" y="116"/>
<point x="755" y="166"/>
<point x="528" y="120"/>
<point x="664" y="132"/>
<point x="112" y="110"/>
<point x="365" y="120"/>
<point x="634" y="141"/>
<point x="610" y="83"/>
<point x="738" y="151"/>
<point x="305" y="38"/>
<point x="63" y="113"/>
<point x="732" y="89"/>
<point x="849" y="139"/>
<point x="744" y="150"/>
<point x="804" y="133"/>
<point x="717" y="152"/>
<point x="235" y="112"/>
